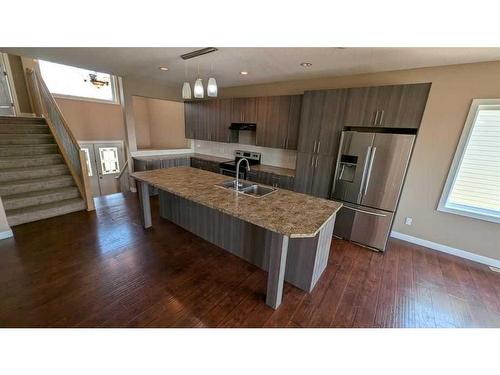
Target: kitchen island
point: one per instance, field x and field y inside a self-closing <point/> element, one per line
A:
<point x="286" y="233"/>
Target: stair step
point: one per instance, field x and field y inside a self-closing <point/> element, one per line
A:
<point x="30" y="161"/>
<point x="34" y="198"/>
<point x="21" y="120"/>
<point x="26" y="139"/>
<point x="28" y="150"/>
<point x="35" y="184"/>
<point x="44" y="211"/>
<point x="24" y="129"/>
<point x="25" y="173"/>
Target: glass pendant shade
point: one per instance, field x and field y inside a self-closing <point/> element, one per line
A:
<point x="186" y="91"/>
<point x="198" y="89"/>
<point x="212" y="88"/>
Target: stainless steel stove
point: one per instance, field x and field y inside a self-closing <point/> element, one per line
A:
<point x="229" y="168"/>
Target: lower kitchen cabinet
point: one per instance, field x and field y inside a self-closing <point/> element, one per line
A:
<point x="314" y="174"/>
<point x="150" y="163"/>
<point x="207" y="165"/>
<point x="271" y="179"/>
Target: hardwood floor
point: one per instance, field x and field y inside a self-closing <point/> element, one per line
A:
<point x="103" y="270"/>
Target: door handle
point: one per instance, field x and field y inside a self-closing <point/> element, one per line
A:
<point x="319" y="144"/>
<point x="314" y="147"/>
<point x="316" y="164"/>
<point x="375" y="119"/>
<point x="365" y="173"/>
<point x="368" y="175"/>
<point x="364" y="212"/>
<point x="381" y="117"/>
<point x="312" y="162"/>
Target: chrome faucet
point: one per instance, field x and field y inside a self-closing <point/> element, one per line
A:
<point x="238" y="172"/>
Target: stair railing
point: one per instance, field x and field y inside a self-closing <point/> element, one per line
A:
<point x="45" y="106"/>
<point x="122" y="180"/>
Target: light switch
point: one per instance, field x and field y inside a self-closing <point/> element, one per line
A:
<point x="408" y="221"/>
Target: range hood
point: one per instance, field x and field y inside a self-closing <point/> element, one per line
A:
<point x="243" y="126"/>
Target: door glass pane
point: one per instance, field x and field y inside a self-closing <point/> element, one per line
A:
<point x="109" y="160"/>
<point x="87" y="159"/>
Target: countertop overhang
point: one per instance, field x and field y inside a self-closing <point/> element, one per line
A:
<point x="286" y="212"/>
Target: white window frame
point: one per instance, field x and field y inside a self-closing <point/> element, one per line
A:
<point x="114" y="89"/>
<point x="457" y="161"/>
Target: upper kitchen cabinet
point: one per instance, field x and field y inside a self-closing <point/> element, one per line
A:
<point x="244" y="110"/>
<point x="397" y="106"/>
<point x="321" y="121"/>
<point x="278" y="120"/>
<point x="208" y="120"/>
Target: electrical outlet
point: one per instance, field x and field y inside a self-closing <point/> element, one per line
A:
<point x="408" y="221"/>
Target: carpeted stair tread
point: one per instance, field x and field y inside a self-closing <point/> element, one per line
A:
<point x="44" y="211"/>
<point x="25" y="139"/>
<point x="34" y="198"/>
<point x="35" y="184"/>
<point x="25" y="173"/>
<point x="29" y="161"/>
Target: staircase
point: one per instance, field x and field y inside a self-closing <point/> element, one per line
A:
<point x="35" y="182"/>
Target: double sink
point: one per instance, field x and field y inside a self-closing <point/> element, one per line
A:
<point x="248" y="188"/>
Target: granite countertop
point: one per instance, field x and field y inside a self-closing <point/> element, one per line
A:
<point x="293" y="214"/>
<point x="211" y="158"/>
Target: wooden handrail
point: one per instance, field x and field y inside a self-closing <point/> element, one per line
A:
<point x="123" y="170"/>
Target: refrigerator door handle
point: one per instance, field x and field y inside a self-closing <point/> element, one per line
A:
<point x="364" y="212"/>
<point x="369" y="173"/>
<point x="365" y="173"/>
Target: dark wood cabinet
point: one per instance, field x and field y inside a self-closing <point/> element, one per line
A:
<point x="207" y="165"/>
<point x="314" y="174"/>
<point x="244" y="110"/>
<point x="278" y="120"/>
<point x="271" y="179"/>
<point x="398" y="106"/>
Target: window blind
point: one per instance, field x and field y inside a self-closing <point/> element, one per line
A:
<point x="476" y="187"/>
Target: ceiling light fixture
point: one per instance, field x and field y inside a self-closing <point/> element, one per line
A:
<point x="306" y="64"/>
<point x="186" y="91"/>
<point x="198" y="52"/>
<point x="212" y="87"/>
<point x="164" y="68"/>
<point x="199" y="91"/>
<point x="244" y="73"/>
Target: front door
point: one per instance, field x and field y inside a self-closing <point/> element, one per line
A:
<point x="106" y="160"/>
<point x="6" y="101"/>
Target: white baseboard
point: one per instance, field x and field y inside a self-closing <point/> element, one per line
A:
<point x="6" y="234"/>
<point x="447" y="249"/>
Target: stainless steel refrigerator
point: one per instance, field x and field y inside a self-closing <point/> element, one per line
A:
<point x="369" y="175"/>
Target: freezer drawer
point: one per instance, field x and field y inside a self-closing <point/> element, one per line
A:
<point x="366" y="226"/>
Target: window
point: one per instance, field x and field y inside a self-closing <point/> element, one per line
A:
<point x="69" y="81"/>
<point x="473" y="185"/>
<point x="109" y="160"/>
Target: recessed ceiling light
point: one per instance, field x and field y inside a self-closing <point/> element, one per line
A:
<point x="305" y="64"/>
<point x="164" y="68"/>
<point x="244" y="73"/>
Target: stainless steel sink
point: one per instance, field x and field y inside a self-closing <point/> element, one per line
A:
<point x="258" y="190"/>
<point x="232" y="184"/>
<point x="248" y="188"/>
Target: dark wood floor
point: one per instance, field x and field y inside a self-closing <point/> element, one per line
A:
<point x="103" y="270"/>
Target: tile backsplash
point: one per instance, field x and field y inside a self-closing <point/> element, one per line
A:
<point x="270" y="156"/>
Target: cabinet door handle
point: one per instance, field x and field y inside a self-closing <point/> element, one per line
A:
<point x="312" y="162"/>
<point x="314" y="147"/>
<point x="375" y="119"/>
<point x="319" y="144"/>
<point x="316" y="164"/>
<point x="381" y="117"/>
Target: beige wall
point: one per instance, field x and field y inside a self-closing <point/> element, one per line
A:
<point x="159" y="124"/>
<point x="21" y="88"/>
<point x="453" y="88"/>
<point x="93" y="121"/>
<point x="142" y="122"/>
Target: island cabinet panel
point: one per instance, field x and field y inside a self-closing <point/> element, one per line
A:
<point x="151" y="163"/>
<point x="397" y="106"/>
<point x="278" y="120"/>
<point x="271" y="179"/>
<point x="306" y="258"/>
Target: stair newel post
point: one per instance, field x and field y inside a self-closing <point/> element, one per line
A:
<point x="87" y="185"/>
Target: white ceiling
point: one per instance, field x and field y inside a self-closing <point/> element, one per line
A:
<point x="263" y="64"/>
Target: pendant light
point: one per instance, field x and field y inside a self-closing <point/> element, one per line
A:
<point x="199" y="92"/>
<point x="186" y="87"/>
<point x="212" y="87"/>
